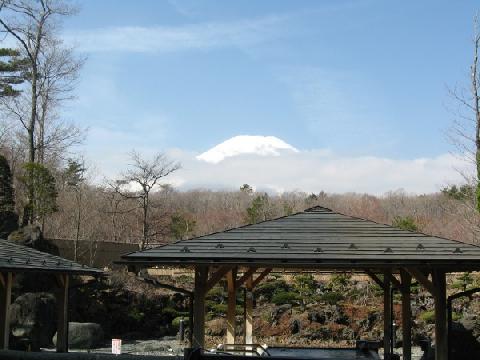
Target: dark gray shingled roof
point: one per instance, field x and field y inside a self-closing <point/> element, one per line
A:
<point x="316" y="237"/>
<point x="19" y="258"/>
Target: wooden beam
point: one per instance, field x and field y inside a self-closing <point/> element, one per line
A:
<point x="422" y="279"/>
<point x="5" y="301"/>
<point x="216" y="277"/>
<point x="441" y="333"/>
<point x="396" y="284"/>
<point x="62" y="313"/>
<point x="201" y="276"/>
<point x="232" y="305"/>
<point x="406" y="315"/>
<point x="248" y="311"/>
<point x="261" y="277"/>
<point x="374" y="277"/>
<point x="245" y="276"/>
<point x="387" y="315"/>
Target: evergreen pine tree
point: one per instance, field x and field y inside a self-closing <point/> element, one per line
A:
<point x="8" y="217"/>
<point x="12" y="71"/>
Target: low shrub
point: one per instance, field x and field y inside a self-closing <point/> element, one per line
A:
<point x="332" y="297"/>
<point x="284" y="297"/>
<point x="428" y="316"/>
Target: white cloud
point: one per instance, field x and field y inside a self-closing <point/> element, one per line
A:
<point x="303" y="170"/>
<point x="246" y="144"/>
<point x="176" y="38"/>
<point x="316" y="170"/>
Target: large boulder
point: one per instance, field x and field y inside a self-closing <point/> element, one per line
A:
<point x="31" y="235"/>
<point x="33" y="320"/>
<point x="465" y="343"/>
<point x="83" y="335"/>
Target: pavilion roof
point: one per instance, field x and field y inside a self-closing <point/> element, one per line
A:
<point x="317" y="237"/>
<point x="19" y="258"/>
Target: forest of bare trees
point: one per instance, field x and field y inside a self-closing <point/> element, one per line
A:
<point x="51" y="187"/>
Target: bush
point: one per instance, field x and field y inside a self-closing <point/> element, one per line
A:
<point x="428" y="316"/>
<point x="338" y="282"/>
<point x="332" y="297"/>
<point x="283" y="297"/>
<point x="176" y="322"/>
<point x="405" y="223"/>
<point x="269" y="288"/>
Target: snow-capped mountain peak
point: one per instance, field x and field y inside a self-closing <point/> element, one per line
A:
<point x="246" y="144"/>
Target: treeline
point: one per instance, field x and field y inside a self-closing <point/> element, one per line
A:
<point x="183" y="214"/>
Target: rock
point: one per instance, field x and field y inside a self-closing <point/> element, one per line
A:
<point x="32" y="236"/>
<point x="279" y="310"/>
<point x="215" y="327"/>
<point x="83" y="335"/>
<point x="33" y="320"/>
<point x="295" y="326"/>
<point x="315" y="316"/>
<point x="464" y="343"/>
<point x="28" y="235"/>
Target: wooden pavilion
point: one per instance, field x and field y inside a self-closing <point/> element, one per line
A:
<point x="318" y="239"/>
<point x="14" y="259"/>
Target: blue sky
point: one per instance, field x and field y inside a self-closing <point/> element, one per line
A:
<point x="363" y="78"/>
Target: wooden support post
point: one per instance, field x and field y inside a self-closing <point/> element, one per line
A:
<point x="232" y="305"/>
<point x="5" y="300"/>
<point x="62" y="313"/>
<point x="441" y="333"/>
<point x="406" y="315"/>
<point x="201" y="276"/>
<point x="248" y="311"/>
<point x="387" y="316"/>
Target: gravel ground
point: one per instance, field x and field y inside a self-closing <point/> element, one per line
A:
<point x="170" y="346"/>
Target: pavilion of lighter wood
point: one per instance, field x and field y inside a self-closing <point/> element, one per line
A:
<point x="318" y="239"/>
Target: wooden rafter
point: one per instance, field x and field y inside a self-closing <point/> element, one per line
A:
<point x="216" y="276"/>
<point x="245" y="276"/>
<point x="422" y="279"/>
<point x="262" y="276"/>
<point x="375" y="278"/>
<point x="396" y="283"/>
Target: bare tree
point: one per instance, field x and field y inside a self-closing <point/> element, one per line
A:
<point x="50" y="76"/>
<point x="140" y="181"/>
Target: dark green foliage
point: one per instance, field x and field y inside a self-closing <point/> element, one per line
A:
<point x="428" y="316"/>
<point x="13" y="71"/>
<point x="464" y="281"/>
<point x="8" y="223"/>
<point x="247" y="189"/>
<point x="339" y="281"/>
<point x="405" y="223"/>
<point x="74" y="173"/>
<point x="41" y="184"/>
<point x="267" y="289"/>
<point x="176" y="322"/>
<point x="283" y="297"/>
<point x="332" y="297"/>
<point x="181" y="226"/>
<point x="7" y="197"/>
<point x="259" y="209"/>
<point x="8" y="218"/>
<point x="305" y="285"/>
<point x="462" y="192"/>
